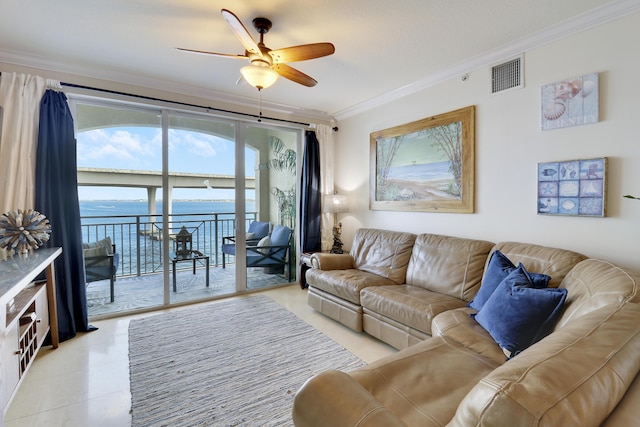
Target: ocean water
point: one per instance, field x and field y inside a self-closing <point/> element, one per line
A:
<point x="102" y="208"/>
<point x="136" y="235"/>
<point x="421" y="172"/>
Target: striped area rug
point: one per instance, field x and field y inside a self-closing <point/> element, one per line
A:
<point x="230" y="363"/>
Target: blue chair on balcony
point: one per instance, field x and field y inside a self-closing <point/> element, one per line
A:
<point x="272" y="252"/>
<point x="257" y="231"/>
<point x="101" y="262"/>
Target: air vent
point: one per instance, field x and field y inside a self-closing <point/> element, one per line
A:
<point x="507" y="76"/>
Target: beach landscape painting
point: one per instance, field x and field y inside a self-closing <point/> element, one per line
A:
<point x="426" y="165"/>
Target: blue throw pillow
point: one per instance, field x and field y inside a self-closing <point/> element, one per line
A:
<point x="518" y="314"/>
<point x="498" y="268"/>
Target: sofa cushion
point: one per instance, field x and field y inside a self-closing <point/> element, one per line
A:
<point x="345" y="284"/>
<point x="422" y="384"/>
<point x="448" y="265"/>
<point x="409" y="305"/>
<point x="382" y="252"/>
<point x="517" y="314"/>
<point x="498" y="268"/>
<point x="459" y="326"/>
<point x="553" y="262"/>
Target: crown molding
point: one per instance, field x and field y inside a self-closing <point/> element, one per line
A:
<point x="22" y="59"/>
<point x="584" y="21"/>
<point x="609" y="12"/>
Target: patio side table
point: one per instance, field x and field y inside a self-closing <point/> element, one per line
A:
<point x="193" y="258"/>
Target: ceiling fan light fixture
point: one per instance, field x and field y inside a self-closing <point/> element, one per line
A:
<point x="259" y="76"/>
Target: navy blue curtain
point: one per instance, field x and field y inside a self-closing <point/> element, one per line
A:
<point x="311" y="200"/>
<point x="57" y="197"/>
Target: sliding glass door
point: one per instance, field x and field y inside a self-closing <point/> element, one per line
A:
<point x="271" y="260"/>
<point x="119" y="179"/>
<point x="180" y="195"/>
<point x="201" y="211"/>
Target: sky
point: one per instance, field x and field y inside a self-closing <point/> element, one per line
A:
<point x="140" y="148"/>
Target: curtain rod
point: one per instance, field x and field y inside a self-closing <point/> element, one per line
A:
<point x="185" y="104"/>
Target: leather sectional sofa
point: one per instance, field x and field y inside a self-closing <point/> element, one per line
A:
<point x="414" y="292"/>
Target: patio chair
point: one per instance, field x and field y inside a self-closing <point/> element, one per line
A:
<point x="272" y="252"/>
<point x="101" y="262"/>
<point x="257" y="231"/>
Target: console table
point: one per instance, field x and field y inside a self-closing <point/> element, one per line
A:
<point x="27" y="313"/>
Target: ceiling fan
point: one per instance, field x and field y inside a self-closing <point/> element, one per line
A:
<point x="266" y="64"/>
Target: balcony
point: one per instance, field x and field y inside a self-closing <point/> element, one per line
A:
<point x="140" y="276"/>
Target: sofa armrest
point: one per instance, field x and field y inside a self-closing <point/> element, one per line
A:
<point x="575" y="376"/>
<point x="318" y="403"/>
<point x="328" y="261"/>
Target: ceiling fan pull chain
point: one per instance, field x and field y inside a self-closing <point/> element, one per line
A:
<point x="260" y="105"/>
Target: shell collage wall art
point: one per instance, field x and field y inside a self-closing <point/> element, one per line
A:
<point x="574" y="187"/>
<point x="570" y="102"/>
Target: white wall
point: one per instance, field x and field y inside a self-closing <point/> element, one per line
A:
<point x="510" y="144"/>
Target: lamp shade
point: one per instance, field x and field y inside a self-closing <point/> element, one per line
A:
<point x="259" y="76"/>
<point x="336" y="203"/>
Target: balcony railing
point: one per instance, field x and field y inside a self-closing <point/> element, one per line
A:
<point x="138" y="238"/>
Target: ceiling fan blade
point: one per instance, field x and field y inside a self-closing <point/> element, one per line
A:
<point x="241" y="32"/>
<point x="302" y="52"/>
<point x="202" y="52"/>
<point x="294" y="75"/>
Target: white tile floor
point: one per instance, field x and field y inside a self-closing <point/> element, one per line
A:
<point x="85" y="382"/>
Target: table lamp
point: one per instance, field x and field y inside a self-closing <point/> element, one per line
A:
<point x="336" y="203"/>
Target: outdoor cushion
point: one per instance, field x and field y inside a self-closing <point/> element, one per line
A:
<point x="265" y="241"/>
<point x="280" y="235"/>
<point x="259" y="229"/>
<point x="101" y="248"/>
<point x="271" y="250"/>
<point x="105" y="243"/>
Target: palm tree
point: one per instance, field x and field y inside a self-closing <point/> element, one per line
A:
<point x="284" y="160"/>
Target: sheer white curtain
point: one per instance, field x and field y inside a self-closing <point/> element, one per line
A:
<point x="324" y="133"/>
<point x="20" y="96"/>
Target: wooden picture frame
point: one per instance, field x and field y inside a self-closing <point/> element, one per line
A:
<point x="427" y="165"/>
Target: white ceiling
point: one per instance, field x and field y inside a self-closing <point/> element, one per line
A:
<point x="382" y="47"/>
